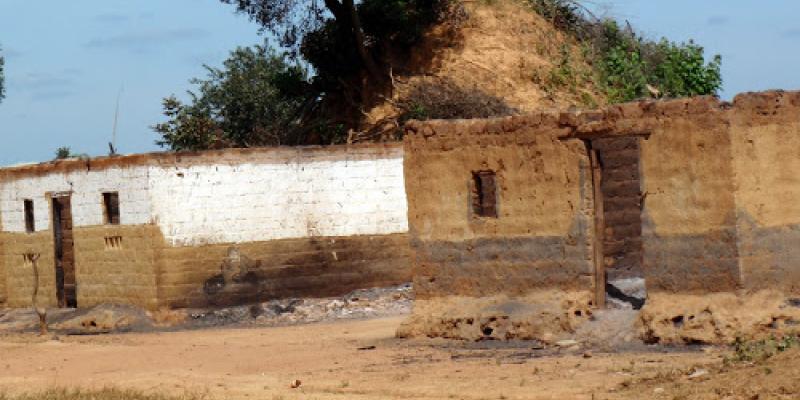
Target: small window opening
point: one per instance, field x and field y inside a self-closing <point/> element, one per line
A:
<point x="30" y="223"/>
<point x="484" y="194"/>
<point x="111" y="207"/>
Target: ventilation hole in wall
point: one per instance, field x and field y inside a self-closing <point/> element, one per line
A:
<point x="487" y="331"/>
<point x="484" y="194"/>
<point x="113" y="242"/>
<point x="27" y="259"/>
<point x="677" y="321"/>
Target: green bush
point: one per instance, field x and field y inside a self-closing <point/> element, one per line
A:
<point x="760" y="350"/>
<point x="625" y="63"/>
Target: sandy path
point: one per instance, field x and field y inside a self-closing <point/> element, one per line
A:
<point x="261" y="363"/>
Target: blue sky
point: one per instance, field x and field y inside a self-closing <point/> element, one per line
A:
<point x="66" y="61"/>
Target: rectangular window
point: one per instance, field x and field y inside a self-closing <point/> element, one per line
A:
<point x="30" y="224"/>
<point x="484" y="194"/>
<point x="111" y="207"/>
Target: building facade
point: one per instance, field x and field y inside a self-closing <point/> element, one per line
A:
<point x="697" y="196"/>
<point x="211" y="228"/>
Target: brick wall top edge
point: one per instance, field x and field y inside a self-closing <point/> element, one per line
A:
<point x="759" y="102"/>
<point x="226" y="156"/>
<point x="626" y="117"/>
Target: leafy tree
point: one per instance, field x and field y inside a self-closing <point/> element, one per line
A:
<point x="63" y="152"/>
<point x="351" y="46"/>
<point x="253" y="100"/>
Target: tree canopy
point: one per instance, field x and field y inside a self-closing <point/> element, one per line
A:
<point x="253" y="100"/>
<point x="262" y="96"/>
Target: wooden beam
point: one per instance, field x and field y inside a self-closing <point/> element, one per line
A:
<point x="599" y="229"/>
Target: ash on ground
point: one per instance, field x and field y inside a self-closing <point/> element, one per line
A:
<point x="360" y="304"/>
<point x="109" y="318"/>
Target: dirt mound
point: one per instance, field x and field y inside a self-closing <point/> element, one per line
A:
<point x="718" y="318"/>
<point x="545" y="316"/>
<point x="503" y="58"/>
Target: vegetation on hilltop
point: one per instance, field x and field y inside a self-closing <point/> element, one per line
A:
<point x="628" y="65"/>
<point x="349" y="72"/>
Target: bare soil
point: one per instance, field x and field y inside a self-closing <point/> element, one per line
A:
<point x="362" y="359"/>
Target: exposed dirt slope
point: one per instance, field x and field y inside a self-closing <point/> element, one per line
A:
<point x="501" y="57"/>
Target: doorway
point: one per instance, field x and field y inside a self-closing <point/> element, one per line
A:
<point x="620" y="201"/>
<point x="66" y="287"/>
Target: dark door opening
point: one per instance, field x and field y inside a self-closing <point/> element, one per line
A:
<point x="66" y="288"/>
<point x="618" y="159"/>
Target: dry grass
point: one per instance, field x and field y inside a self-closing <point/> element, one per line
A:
<point x="103" y="394"/>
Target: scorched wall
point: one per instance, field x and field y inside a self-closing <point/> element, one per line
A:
<point x="212" y="228"/>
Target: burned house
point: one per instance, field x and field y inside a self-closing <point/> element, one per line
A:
<point x="510" y="227"/>
<point x="697" y="196"/>
<point x="200" y="229"/>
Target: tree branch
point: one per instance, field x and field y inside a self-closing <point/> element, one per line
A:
<point x="361" y="44"/>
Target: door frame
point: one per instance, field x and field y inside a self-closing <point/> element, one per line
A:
<point x="65" y="281"/>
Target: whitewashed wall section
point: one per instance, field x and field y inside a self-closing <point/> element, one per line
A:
<point x="296" y="194"/>
<point x="87" y="189"/>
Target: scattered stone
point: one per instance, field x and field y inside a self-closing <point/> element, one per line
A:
<point x="697" y="372"/>
<point x="587" y="354"/>
<point x="567" y="343"/>
<point x="367" y="348"/>
<point x="296" y="384"/>
<point x="658" y="390"/>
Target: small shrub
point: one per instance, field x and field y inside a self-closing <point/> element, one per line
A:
<point x="443" y="99"/>
<point x="625" y="62"/>
<point x="63" y="152"/>
<point x="760" y="350"/>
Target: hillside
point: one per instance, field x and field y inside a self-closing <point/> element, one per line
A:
<point x="500" y="58"/>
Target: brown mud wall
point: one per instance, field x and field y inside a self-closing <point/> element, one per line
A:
<point x="542" y="235"/>
<point x="765" y="134"/>
<point x="3" y="287"/>
<point x="689" y="213"/>
<point x="227" y="274"/>
<point x="105" y="274"/>
<point x="134" y="265"/>
<point x="19" y="270"/>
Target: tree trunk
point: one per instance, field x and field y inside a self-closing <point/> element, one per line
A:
<point x="361" y="45"/>
<point x="40" y="311"/>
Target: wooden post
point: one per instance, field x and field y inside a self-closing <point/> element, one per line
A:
<point x="40" y="311"/>
<point x="599" y="229"/>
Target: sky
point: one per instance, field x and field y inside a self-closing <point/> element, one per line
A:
<point x="67" y="62"/>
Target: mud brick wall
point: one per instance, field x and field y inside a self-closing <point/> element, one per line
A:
<point x="689" y="212"/>
<point x="225" y="274"/>
<point x="313" y="221"/>
<point x="19" y="272"/>
<point x="765" y="131"/>
<point x="542" y="234"/>
<point x="86" y="182"/>
<point x="622" y="206"/>
<point x="3" y="289"/>
<point x="310" y="221"/>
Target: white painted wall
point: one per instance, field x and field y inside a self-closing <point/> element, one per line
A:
<point x="267" y="195"/>
<point x="87" y="189"/>
<point x="296" y="194"/>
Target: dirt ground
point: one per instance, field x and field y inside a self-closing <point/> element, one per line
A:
<point x="338" y="361"/>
